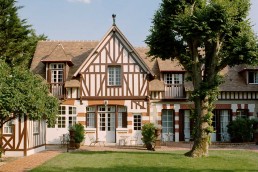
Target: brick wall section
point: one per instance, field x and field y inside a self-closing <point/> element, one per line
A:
<point x="222" y="106"/>
<point x="68" y="102"/>
<point x="186" y="106"/>
<point x="81" y="115"/>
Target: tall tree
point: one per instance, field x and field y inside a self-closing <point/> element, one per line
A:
<point x="220" y="28"/>
<point x="21" y="92"/>
<point x="17" y="39"/>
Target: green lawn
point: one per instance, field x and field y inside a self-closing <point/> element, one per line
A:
<point x="218" y="160"/>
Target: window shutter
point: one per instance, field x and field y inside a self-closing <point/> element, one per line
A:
<point x="87" y="120"/>
<point x="49" y="75"/>
<point x="124" y="120"/>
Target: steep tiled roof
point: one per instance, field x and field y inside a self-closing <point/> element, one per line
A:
<point x="235" y="81"/>
<point x="77" y="51"/>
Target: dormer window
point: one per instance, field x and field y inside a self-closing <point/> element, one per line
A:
<point x="171" y="78"/>
<point x="55" y="78"/>
<point x="173" y="85"/>
<point x="253" y="77"/>
<point x="57" y="72"/>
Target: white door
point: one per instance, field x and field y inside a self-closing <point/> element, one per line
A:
<point x="106" y="124"/>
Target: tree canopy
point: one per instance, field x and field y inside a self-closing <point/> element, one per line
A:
<point x="23" y="93"/>
<point x="17" y="39"/>
<point x="221" y="30"/>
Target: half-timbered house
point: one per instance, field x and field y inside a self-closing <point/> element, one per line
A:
<point x="113" y="88"/>
<point x="23" y="137"/>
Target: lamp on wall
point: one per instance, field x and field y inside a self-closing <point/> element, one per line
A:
<point x="105" y="103"/>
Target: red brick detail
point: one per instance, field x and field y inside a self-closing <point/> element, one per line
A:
<point x="145" y="122"/>
<point x="186" y="106"/>
<point x="129" y="114"/>
<point x="223" y="106"/>
<point x="129" y="122"/>
<point x="176" y="130"/>
<point x="233" y="113"/>
<point x="82" y="122"/>
<point x="176" y="113"/>
<point x="81" y="115"/>
<point x="171" y="106"/>
<point x="68" y="102"/>
<point x="246" y="106"/>
<point x="130" y="131"/>
<point x="164" y="106"/>
<point x="251" y="114"/>
<point x="145" y="114"/>
<point x="239" y="106"/>
<point x="176" y="122"/>
<point x="159" y="122"/>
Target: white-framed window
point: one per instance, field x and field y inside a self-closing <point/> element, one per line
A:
<point x="253" y="77"/>
<point x="61" y="122"/>
<point x="8" y="128"/>
<point x="61" y="110"/>
<point x="114" y="75"/>
<point x="137" y="122"/>
<point x="35" y="127"/>
<point x="90" y="120"/>
<point x="72" y="116"/>
<point x="72" y="110"/>
<point x="172" y="78"/>
<point x="90" y="117"/>
<point x="67" y="116"/>
<point x="57" y="72"/>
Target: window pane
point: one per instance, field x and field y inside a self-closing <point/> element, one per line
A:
<point x="114" y="75"/>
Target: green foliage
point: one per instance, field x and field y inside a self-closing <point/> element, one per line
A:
<point x="148" y="134"/>
<point x="79" y="132"/>
<point x="241" y="130"/>
<point x="17" y="39"/>
<point x="22" y="93"/>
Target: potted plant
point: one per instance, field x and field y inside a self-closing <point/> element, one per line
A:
<point x="71" y="135"/>
<point x="78" y="135"/>
<point x="148" y="135"/>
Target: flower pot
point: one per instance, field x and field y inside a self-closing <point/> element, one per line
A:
<point x="77" y="145"/>
<point x="149" y="146"/>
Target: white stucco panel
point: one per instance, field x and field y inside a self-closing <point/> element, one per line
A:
<point x="251" y="107"/>
<point x="234" y="107"/>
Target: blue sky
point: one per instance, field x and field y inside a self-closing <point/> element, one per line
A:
<point x="91" y="19"/>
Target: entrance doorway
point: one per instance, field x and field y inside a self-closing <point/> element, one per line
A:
<point x="106" y="123"/>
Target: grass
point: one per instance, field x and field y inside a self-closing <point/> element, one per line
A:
<point x="219" y="160"/>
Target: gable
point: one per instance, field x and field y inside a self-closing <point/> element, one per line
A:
<point x="114" y="49"/>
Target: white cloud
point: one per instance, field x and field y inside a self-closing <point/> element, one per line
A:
<point x="83" y="1"/>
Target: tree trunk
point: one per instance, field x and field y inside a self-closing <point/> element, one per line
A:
<point x="201" y="132"/>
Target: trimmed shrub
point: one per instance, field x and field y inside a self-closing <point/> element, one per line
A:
<point x="241" y="130"/>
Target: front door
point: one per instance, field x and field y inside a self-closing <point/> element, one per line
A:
<point x="106" y="124"/>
